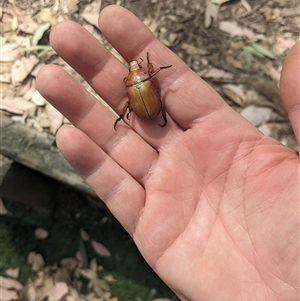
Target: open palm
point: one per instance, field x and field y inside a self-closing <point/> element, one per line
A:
<point x="211" y="203"/>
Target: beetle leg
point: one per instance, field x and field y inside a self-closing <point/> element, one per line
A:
<point x="129" y="111"/>
<point x="163" y="115"/>
<point x="121" y="116"/>
<point x="151" y="71"/>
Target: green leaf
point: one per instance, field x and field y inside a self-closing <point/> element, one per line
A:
<point x="253" y="51"/>
<point x="2" y="41"/>
<point x="262" y="50"/>
<point x="248" y="57"/>
<point x="259" y="36"/>
<point x="39" y="33"/>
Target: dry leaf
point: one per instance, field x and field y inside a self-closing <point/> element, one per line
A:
<point x="211" y="13"/>
<point x="275" y="75"/>
<point x="25" y="87"/>
<point x="9" y="52"/>
<point x="69" y="263"/>
<point x="94" y="265"/>
<point x="41" y="233"/>
<point x="152" y="25"/>
<point x="100" y="286"/>
<point x="37" y="68"/>
<point x="13" y="273"/>
<point x="36" y="261"/>
<point x="7" y="295"/>
<point x="38" y="99"/>
<point x="91" y="18"/>
<point x="100" y="249"/>
<point x="235" y="93"/>
<point x="88" y="273"/>
<point x="110" y="278"/>
<point x="18" y="105"/>
<point x="10" y="283"/>
<point x="57" y="292"/>
<point x="234" y="29"/>
<point x="246" y="5"/>
<point x="285" y="43"/>
<point x="217" y="74"/>
<point x="79" y="259"/>
<point x="84" y="235"/>
<point x="21" y="69"/>
<point x="193" y="50"/>
<point x="29" y="292"/>
<point x="56" y="118"/>
<point x="27" y="24"/>
<point x="265" y="129"/>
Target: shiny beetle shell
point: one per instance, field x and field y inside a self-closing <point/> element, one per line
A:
<point x="143" y="98"/>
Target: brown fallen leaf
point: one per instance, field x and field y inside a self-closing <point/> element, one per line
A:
<point x="69" y="263"/>
<point x="56" y="118"/>
<point x="216" y="73"/>
<point x="9" y="52"/>
<point x="57" y="291"/>
<point x="13" y="273"/>
<point x="36" y="261"/>
<point x="91" y="18"/>
<point x="100" y="287"/>
<point x="18" y="105"/>
<point x="10" y="283"/>
<point x="84" y="235"/>
<point x="235" y="93"/>
<point x="211" y="13"/>
<point x="100" y="249"/>
<point x="41" y="233"/>
<point x="21" y="68"/>
<point x="38" y="99"/>
<point x="193" y="50"/>
<point x="8" y="295"/>
<point x="234" y="29"/>
<point x="29" y="292"/>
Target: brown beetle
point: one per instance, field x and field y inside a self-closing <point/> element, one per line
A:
<point x="143" y="98"/>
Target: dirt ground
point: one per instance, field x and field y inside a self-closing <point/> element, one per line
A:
<point x="237" y="46"/>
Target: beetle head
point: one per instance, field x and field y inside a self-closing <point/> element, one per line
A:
<point x="134" y="65"/>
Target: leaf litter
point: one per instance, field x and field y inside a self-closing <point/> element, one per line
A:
<point x="198" y="32"/>
<point x="230" y="53"/>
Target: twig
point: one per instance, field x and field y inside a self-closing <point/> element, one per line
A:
<point x="255" y="9"/>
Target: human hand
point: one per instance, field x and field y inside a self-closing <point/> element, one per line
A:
<point x="211" y="202"/>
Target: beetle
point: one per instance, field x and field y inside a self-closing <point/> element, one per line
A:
<point x="143" y="98"/>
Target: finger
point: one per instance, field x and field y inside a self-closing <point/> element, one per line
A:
<point x="289" y="87"/>
<point x="122" y="194"/>
<point x="90" y="59"/>
<point x="104" y="73"/>
<point x="187" y="97"/>
<point x="90" y="116"/>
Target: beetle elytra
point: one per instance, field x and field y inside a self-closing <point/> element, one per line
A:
<point x="143" y="98"/>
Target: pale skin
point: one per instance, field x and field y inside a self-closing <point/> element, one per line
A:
<point x="211" y="203"/>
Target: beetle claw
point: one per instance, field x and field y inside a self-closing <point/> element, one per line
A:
<point x="117" y="120"/>
<point x="129" y="111"/>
